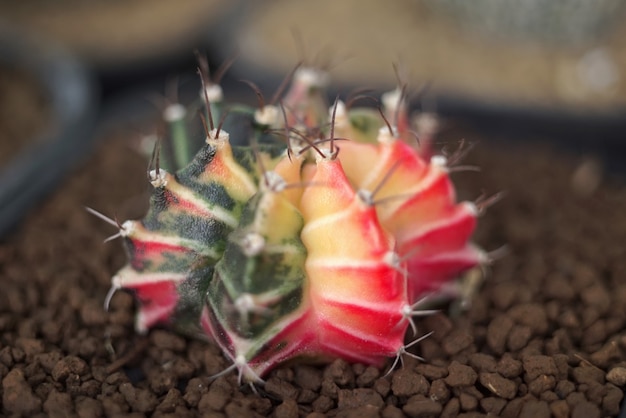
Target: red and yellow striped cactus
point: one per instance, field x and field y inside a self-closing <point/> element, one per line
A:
<point x="318" y="244"/>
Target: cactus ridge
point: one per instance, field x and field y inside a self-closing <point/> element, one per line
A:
<point x="324" y="243"/>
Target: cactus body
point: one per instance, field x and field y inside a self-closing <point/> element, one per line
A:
<point x="316" y="245"/>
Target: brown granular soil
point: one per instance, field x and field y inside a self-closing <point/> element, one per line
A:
<point x="544" y="336"/>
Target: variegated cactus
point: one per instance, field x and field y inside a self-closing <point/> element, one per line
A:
<point x="318" y="240"/>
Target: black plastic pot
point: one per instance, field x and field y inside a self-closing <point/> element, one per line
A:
<point x="71" y="95"/>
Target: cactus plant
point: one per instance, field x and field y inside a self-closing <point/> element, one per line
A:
<point x="319" y="239"/>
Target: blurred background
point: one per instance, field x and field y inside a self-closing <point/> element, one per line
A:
<point x="529" y="71"/>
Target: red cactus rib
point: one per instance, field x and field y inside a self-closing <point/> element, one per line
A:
<point x="152" y="274"/>
<point x="150" y="250"/>
<point x="356" y="292"/>
<point x="416" y="204"/>
<point x="448" y="233"/>
<point x="156" y="292"/>
<point x="428" y="274"/>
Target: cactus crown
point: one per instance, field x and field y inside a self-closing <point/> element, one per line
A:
<point x="320" y="236"/>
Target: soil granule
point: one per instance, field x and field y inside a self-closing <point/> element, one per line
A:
<point x="543" y="337"/>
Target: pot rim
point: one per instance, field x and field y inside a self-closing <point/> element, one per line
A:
<point x="71" y="91"/>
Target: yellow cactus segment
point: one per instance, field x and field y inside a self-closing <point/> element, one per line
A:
<point x="352" y="233"/>
<point x="223" y="169"/>
<point x="347" y="248"/>
<point x="358" y="160"/>
<point x="337" y="223"/>
<point x="290" y="170"/>
<point x="355" y="288"/>
<point x="330" y="192"/>
<point x="358" y="125"/>
<point x="277" y="218"/>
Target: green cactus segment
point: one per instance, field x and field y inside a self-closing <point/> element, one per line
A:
<point x="365" y="124"/>
<point x="203" y="202"/>
<point x="258" y="284"/>
<point x="178" y="211"/>
<point x="185" y="231"/>
<point x="175" y="116"/>
<point x="235" y="169"/>
<point x="190" y="300"/>
<point x="158" y="265"/>
<point x="215" y="95"/>
<point x="182" y="144"/>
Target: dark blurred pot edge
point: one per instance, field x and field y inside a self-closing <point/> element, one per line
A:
<point x="599" y="130"/>
<point x="72" y="96"/>
<point x="579" y="130"/>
